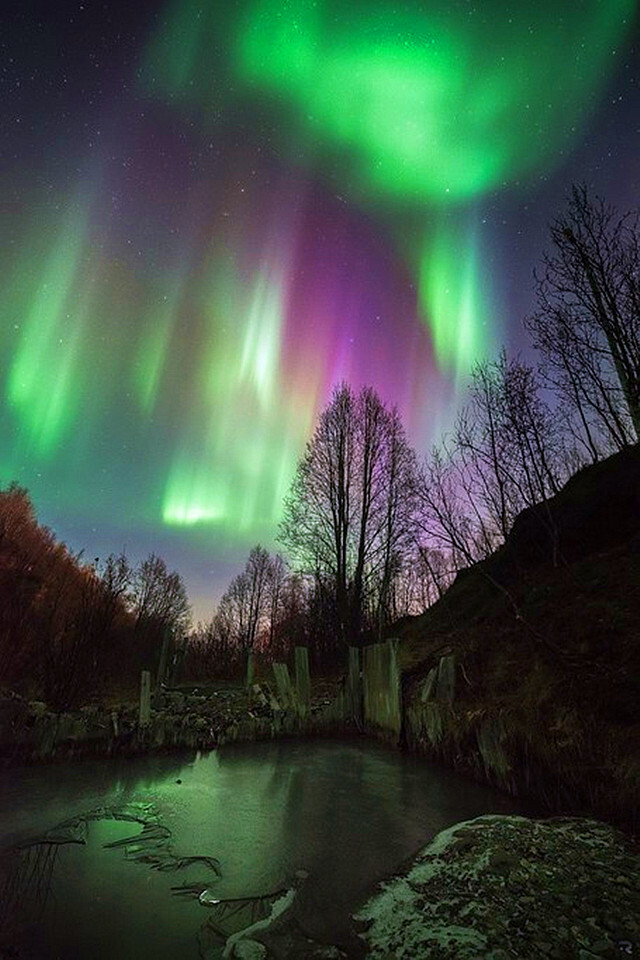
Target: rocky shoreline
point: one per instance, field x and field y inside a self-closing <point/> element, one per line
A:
<point x="196" y="718"/>
<point x="502" y="887"/>
<point x="498" y="887"/>
<point x="493" y="888"/>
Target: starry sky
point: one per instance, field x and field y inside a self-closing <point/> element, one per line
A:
<point x="212" y="212"/>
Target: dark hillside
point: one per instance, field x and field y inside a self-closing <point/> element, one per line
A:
<point x="544" y="694"/>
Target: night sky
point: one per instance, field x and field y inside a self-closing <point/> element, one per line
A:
<point x="213" y="212"/>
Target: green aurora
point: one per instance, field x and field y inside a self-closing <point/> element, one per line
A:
<point x="434" y="105"/>
<point x="178" y="388"/>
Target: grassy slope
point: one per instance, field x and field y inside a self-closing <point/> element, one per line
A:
<point x="547" y="652"/>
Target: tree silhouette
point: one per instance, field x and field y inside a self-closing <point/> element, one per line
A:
<point x="507" y="452"/>
<point x="159" y="596"/>
<point x="347" y="517"/>
<point x="587" y="325"/>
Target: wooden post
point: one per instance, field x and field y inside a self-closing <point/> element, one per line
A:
<point x="251" y="670"/>
<point x="251" y="673"/>
<point x="446" y="682"/>
<point x="303" y="682"/>
<point x="354" y="688"/>
<point x="286" y="693"/>
<point x="145" y="698"/>
<point x="165" y="654"/>
<point x="382" y="700"/>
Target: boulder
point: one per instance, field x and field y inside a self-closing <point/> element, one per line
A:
<point x="37" y="708"/>
<point x="249" y="950"/>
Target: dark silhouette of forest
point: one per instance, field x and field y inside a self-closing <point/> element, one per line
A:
<point x="371" y="533"/>
<point x="71" y="630"/>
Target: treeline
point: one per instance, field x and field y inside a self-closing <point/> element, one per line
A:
<point x="70" y="630"/>
<point x="372" y="534"/>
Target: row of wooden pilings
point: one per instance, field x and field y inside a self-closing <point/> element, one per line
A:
<point x="369" y="696"/>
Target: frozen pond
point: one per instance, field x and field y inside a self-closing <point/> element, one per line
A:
<point x="346" y="813"/>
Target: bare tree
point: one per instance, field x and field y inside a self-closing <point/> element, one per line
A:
<point x="533" y="432"/>
<point x="396" y="520"/>
<point x="206" y="652"/>
<point x="509" y="442"/>
<point x="482" y="455"/>
<point x="67" y="627"/>
<point x="115" y="575"/>
<point x="159" y="596"/>
<point x="258" y="572"/>
<point x="317" y="528"/>
<point x="292" y="625"/>
<point x="233" y="614"/>
<point x="343" y="516"/>
<point x="431" y="574"/>
<point x="275" y="586"/>
<point x="23" y="547"/>
<point x="587" y="325"/>
<point x="507" y="453"/>
<point x="245" y="606"/>
<point x="449" y="517"/>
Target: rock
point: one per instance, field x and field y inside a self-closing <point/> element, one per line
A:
<point x="249" y="950"/>
<point x="209" y="898"/>
<point x="510" y="892"/>
<point x="501" y="861"/>
<point x="258" y="695"/>
<point x="37" y="708"/>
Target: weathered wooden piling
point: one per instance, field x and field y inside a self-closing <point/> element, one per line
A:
<point x="145" y="698"/>
<point x="353" y="705"/>
<point x="251" y="671"/>
<point x="303" y="682"/>
<point x="166" y="656"/>
<point x="285" y="692"/>
<point x="381" y="688"/>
